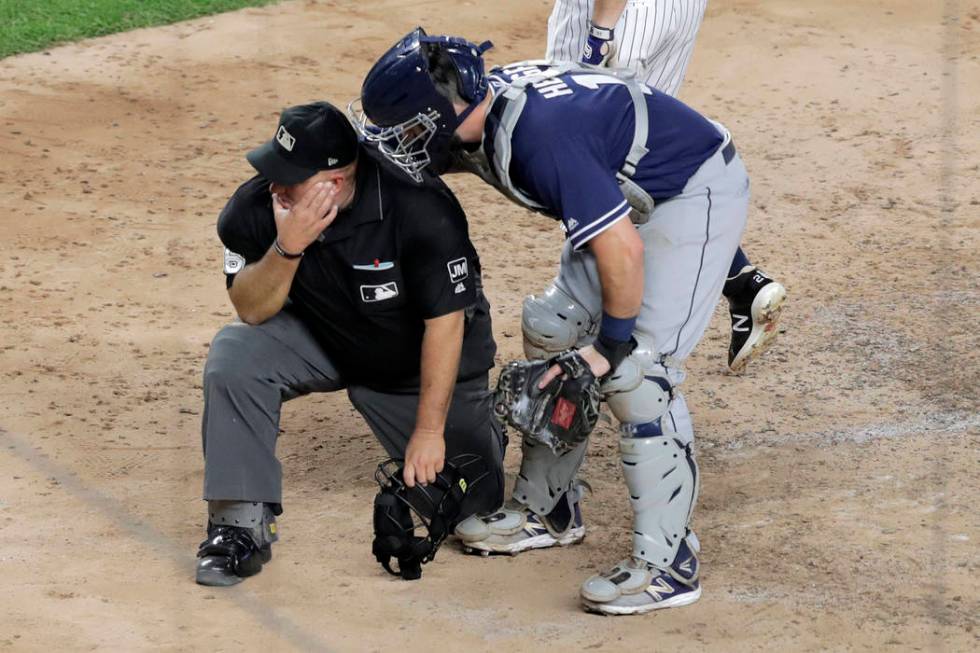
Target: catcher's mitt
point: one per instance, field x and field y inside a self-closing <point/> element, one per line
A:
<point x="563" y="413"/>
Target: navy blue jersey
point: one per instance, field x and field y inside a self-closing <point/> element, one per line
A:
<point x="573" y="137"/>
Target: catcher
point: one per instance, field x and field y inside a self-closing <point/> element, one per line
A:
<point x="347" y="276"/>
<point x="653" y="198"/>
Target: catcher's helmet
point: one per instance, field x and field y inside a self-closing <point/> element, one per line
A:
<point x="401" y="108"/>
<point x="431" y="510"/>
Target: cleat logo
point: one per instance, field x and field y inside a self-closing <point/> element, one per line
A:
<point x="659" y="588"/>
<point x="686" y="566"/>
<point x="740" y="323"/>
<point x="619" y="578"/>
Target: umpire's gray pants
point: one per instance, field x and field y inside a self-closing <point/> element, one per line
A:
<point x="252" y="369"/>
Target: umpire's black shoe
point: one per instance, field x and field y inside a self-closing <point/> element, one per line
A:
<point x="229" y="555"/>
<point x="755" y="301"/>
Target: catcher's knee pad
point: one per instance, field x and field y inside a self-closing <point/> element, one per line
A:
<point x="544" y="476"/>
<point x="637" y="394"/>
<point x="552" y="322"/>
<point x="662" y="478"/>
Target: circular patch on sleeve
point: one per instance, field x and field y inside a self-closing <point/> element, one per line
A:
<point x="233" y="262"/>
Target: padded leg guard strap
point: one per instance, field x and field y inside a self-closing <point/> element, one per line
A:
<point x="544" y="477"/>
<point x="662" y="478"/>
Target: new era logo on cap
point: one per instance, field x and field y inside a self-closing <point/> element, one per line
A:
<point x="285" y="139"/>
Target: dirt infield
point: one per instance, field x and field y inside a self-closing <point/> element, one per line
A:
<point x="840" y="477"/>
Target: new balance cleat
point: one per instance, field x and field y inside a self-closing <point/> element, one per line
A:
<point x="755" y="301"/>
<point x="636" y="587"/>
<point x="514" y="528"/>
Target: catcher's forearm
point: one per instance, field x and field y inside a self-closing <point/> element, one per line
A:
<point x="260" y="290"/>
<point x="606" y="12"/>
<point x="442" y="345"/>
<point x="619" y="259"/>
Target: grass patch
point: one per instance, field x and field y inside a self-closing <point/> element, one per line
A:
<point x="29" y="25"/>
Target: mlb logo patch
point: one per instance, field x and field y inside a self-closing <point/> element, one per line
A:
<point x="458" y="270"/>
<point x="285" y="139"/>
<point x="380" y="292"/>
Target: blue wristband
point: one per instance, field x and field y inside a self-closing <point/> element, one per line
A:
<point x="619" y="329"/>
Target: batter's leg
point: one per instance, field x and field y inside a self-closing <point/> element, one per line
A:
<point x="755" y="302"/>
<point x="655" y="39"/>
<point x="568" y="28"/>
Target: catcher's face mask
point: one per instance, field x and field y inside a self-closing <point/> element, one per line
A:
<point x="410" y="144"/>
<point x="402" y="111"/>
<point x="411" y="523"/>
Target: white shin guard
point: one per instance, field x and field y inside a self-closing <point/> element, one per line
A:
<point x="662" y="478"/>
<point x="545" y="477"/>
<point x="551" y="322"/>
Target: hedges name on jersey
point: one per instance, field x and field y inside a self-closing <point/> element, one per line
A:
<point x="572" y="173"/>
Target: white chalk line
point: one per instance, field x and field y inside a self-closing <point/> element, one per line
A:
<point x="144" y="531"/>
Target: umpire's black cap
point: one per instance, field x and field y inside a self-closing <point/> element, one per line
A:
<point x="310" y="138"/>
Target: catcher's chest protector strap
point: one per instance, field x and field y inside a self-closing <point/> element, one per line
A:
<point x="508" y="105"/>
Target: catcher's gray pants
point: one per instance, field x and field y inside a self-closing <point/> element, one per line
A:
<point x="251" y="370"/>
<point x="689" y="242"/>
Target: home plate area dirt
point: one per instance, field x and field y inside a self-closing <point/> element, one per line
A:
<point x="839" y="474"/>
